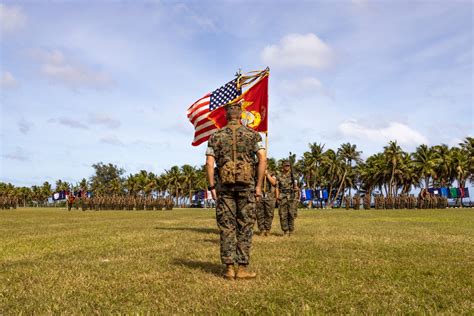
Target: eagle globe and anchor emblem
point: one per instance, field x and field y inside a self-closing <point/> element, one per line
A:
<point x="251" y="118"/>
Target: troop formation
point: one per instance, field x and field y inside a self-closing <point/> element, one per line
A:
<point x="423" y="201"/>
<point x="7" y="202"/>
<point x="129" y="203"/>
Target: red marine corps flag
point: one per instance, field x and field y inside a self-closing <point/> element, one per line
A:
<point x="208" y="114"/>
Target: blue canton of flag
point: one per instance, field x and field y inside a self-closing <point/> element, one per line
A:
<point x="224" y="95"/>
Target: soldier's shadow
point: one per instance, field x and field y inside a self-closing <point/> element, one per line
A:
<point x="208" y="267"/>
<point x="193" y="229"/>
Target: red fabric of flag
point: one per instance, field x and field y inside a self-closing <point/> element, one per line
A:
<point x="199" y="111"/>
<point x="198" y="116"/>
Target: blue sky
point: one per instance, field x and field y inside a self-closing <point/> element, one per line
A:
<point x="84" y="82"/>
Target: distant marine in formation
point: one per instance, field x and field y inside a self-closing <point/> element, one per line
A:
<point x="117" y="202"/>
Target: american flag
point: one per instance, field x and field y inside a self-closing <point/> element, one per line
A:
<point x="198" y="112"/>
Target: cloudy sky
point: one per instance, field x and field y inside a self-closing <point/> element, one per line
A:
<point x="84" y="82"/>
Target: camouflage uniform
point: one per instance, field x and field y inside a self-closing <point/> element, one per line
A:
<point x="366" y="201"/>
<point x="287" y="209"/>
<point x="266" y="209"/>
<point x="356" y="202"/>
<point x="234" y="148"/>
<point x="347" y="202"/>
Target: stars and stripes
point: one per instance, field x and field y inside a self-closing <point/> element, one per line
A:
<point x="199" y="111"/>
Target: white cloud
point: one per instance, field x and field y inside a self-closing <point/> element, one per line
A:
<point x="112" y="140"/>
<point x="394" y="131"/>
<point x="301" y="86"/>
<point x="8" y="81"/>
<point x="57" y="67"/>
<point x="104" y="120"/>
<point x="299" y="50"/>
<point x="11" y="18"/>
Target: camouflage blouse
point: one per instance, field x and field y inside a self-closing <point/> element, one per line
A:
<point x="284" y="184"/>
<point x="248" y="142"/>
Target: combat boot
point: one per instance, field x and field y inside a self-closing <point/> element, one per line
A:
<point x="285" y="233"/>
<point x="243" y="273"/>
<point x="229" y="272"/>
<point x="265" y="233"/>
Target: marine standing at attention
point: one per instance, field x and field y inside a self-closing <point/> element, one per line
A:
<point x="235" y="149"/>
<point x="266" y="206"/>
<point x="287" y="191"/>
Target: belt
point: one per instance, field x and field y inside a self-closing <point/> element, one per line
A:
<point x="287" y="191"/>
<point x="235" y="188"/>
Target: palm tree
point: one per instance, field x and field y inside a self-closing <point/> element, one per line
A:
<point x="468" y="147"/>
<point x="424" y="160"/>
<point x="189" y="179"/>
<point x="46" y="191"/>
<point x="394" y="156"/>
<point x="336" y="171"/>
<point x="460" y="165"/>
<point x="407" y="177"/>
<point x="24" y="194"/>
<point x="131" y="185"/>
<point x="151" y="184"/>
<point x="142" y="180"/>
<point x="349" y="154"/>
<point x="443" y="165"/>
<point x="36" y="194"/>
<point x="174" y="179"/>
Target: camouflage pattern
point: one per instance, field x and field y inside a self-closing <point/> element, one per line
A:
<point x="118" y="203"/>
<point x="347" y="202"/>
<point x="266" y="208"/>
<point x="235" y="215"/>
<point x="288" y="207"/>
<point x="265" y="212"/>
<point x="356" y="202"/>
<point x="8" y="202"/>
<point x="220" y="145"/>
<point x="236" y="207"/>
<point x="366" y="202"/>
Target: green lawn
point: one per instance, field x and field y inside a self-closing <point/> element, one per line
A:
<point x="167" y="262"/>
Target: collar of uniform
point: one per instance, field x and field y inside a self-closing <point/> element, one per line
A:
<point x="233" y="123"/>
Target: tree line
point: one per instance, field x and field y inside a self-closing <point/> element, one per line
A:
<point x="392" y="172"/>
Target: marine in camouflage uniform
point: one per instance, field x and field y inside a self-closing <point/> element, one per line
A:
<point x="366" y="201"/>
<point x="347" y="202"/>
<point x="266" y="206"/>
<point x="235" y="150"/>
<point x="70" y="201"/>
<point x="286" y="195"/>
<point x="356" y="202"/>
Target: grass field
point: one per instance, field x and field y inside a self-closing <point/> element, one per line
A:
<point x="167" y="262"/>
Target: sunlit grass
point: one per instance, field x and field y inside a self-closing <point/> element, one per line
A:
<point x="167" y="262"/>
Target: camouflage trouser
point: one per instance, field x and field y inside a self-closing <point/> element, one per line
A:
<point x="265" y="210"/>
<point x="235" y="215"/>
<point x="287" y="214"/>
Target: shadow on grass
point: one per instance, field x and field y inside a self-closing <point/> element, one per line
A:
<point x="208" y="267"/>
<point x="193" y="229"/>
<point x="211" y="241"/>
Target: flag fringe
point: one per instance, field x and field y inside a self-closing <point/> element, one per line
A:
<point x="251" y="76"/>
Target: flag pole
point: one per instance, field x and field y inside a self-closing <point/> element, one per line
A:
<point x="266" y="143"/>
<point x="266" y="157"/>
